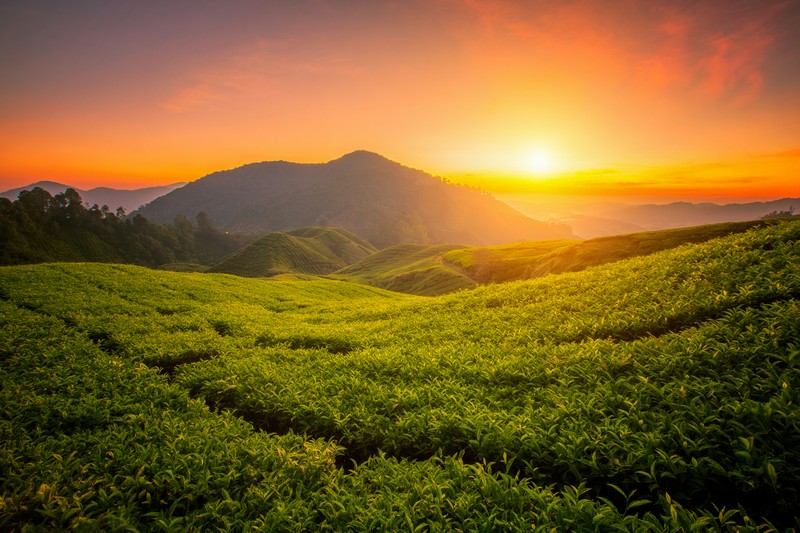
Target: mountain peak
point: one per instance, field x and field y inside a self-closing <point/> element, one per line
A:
<point x="361" y="156"/>
<point x="381" y="200"/>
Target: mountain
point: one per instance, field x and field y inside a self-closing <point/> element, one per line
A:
<point x="381" y="200"/>
<point x="681" y="214"/>
<point x="306" y="251"/>
<point x="128" y="199"/>
<point x="590" y="219"/>
<point x="589" y="227"/>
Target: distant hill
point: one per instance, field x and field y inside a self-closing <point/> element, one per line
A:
<point x="436" y="270"/>
<point x="682" y="214"/>
<point x="312" y="250"/>
<point x="128" y="199"/>
<point x="411" y="268"/>
<point x="383" y="201"/>
<point x="596" y="219"/>
<point x="589" y="227"/>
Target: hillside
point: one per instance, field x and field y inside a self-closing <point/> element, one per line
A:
<point x="304" y="251"/>
<point x="128" y="199"/>
<point x="430" y="270"/>
<point x="363" y="192"/>
<point x="409" y="268"/>
<point x="531" y="260"/>
<point x="659" y="393"/>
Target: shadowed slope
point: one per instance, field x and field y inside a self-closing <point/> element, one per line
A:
<point x="383" y="201"/>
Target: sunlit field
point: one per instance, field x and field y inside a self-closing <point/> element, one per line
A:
<point x="656" y="393"/>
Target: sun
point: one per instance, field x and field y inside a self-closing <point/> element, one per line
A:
<point x="540" y="162"/>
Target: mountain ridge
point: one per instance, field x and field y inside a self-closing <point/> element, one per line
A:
<point x="366" y="193"/>
<point x="128" y="199"/>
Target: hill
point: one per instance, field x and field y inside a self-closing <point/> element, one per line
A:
<point x="679" y="214"/>
<point x="365" y="193"/>
<point x="304" y="251"/>
<point x="659" y="393"/>
<point x="429" y="270"/>
<point x="128" y="199"/>
<point x="530" y="260"/>
<point x="409" y="268"/>
<point x="597" y="219"/>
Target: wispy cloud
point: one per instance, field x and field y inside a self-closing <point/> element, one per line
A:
<point x="716" y="49"/>
<point x="790" y="154"/>
<point x="253" y="70"/>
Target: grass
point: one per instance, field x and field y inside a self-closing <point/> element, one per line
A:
<point x="411" y="268"/>
<point x="305" y="251"/>
<point x="657" y="393"/>
<point x="432" y="270"/>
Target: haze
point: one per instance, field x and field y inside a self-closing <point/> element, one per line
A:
<point x="658" y="100"/>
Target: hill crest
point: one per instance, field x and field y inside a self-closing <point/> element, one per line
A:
<point x="382" y="200"/>
<point x="312" y="250"/>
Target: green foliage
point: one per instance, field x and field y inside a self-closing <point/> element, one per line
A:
<point x="409" y="268"/>
<point x="659" y="393"/>
<point x="527" y="260"/>
<point x="305" y="251"/>
<point x="38" y="227"/>
<point x="432" y="270"/>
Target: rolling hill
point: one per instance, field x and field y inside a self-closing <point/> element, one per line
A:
<point x="657" y="393"/>
<point x="305" y="251"/>
<point x="430" y="270"/>
<point x="410" y="268"/>
<point x="365" y="193"/>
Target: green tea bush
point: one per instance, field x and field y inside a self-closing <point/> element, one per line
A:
<point x="655" y="394"/>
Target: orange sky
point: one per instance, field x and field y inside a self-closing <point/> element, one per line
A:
<point x="691" y="100"/>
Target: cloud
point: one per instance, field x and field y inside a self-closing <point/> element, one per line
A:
<point x="789" y="154"/>
<point x="256" y="69"/>
<point x="715" y="50"/>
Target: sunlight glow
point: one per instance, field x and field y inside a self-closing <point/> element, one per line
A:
<point x="540" y="162"/>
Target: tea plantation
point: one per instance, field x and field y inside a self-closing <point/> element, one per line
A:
<point x="658" y="393"/>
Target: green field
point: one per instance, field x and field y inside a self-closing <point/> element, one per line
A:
<point x="313" y="250"/>
<point x="658" y="393"/>
<point x="440" y="269"/>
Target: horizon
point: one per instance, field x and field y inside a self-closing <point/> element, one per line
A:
<point x="662" y="102"/>
<point x="551" y="205"/>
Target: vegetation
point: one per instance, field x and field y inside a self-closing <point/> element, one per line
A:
<point x="409" y="268"/>
<point x="656" y="393"/>
<point x="38" y="227"/>
<point x="534" y="259"/>
<point x="304" y="251"/>
<point x="431" y="270"/>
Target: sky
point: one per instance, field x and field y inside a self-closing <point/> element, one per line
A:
<point x="693" y="100"/>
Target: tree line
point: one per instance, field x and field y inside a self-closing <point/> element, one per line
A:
<point x="38" y="227"/>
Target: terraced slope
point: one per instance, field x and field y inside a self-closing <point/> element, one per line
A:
<point x="305" y="251"/>
<point x="659" y="393"/>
